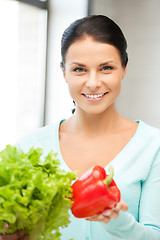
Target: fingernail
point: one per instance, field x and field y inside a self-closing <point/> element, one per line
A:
<point x="6" y="226"/>
<point x="107" y="213"/>
<point x="118" y="207"/>
<point x="100" y="217"/>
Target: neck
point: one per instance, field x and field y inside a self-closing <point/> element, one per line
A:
<point x="94" y="124"/>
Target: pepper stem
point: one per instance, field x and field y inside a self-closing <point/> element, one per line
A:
<point x="109" y="178"/>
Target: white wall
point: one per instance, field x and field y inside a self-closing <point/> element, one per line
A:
<point x="140" y="22"/>
<point x="62" y="13"/>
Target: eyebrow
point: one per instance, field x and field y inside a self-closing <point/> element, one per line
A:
<point x="106" y="63"/>
<point x="79" y="64"/>
<point x="83" y="65"/>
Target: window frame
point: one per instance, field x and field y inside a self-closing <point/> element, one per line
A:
<point x="44" y="6"/>
<point x="36" y="3"/>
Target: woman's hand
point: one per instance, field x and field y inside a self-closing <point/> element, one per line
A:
<point x="108" y="214"/>
<point x="20" y="235"/>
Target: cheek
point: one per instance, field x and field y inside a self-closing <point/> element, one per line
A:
<point x="114" y="81"/>
<point x="117" y="84"/>
<point x="74" y="83"/>
<point x="74" y="87"/>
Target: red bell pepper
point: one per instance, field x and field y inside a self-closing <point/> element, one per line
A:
<point x="94" y="192"/>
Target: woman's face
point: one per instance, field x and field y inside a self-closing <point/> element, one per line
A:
<point x="93" y="72"/>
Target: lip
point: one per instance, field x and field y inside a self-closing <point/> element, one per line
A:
<point x="95" y="99"/>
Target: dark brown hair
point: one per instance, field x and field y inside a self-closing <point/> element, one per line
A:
<point x="101" y="29"/>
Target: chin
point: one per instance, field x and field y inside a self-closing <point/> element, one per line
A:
<point x="95" y="110"/>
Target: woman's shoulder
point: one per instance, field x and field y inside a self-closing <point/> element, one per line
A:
<point x="148" y="130"/>
<point x="42" y="137"/>
<point x="148" y="134"/>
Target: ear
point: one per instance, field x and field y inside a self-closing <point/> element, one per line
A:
<point x="124" y="72"/>
<point x="64" y="75"/>
<point x="62" y="68"/>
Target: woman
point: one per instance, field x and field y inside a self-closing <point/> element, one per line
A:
<point x="94" y="62"/>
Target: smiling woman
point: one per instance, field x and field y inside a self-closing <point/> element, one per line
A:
<point x="93" y="72"/>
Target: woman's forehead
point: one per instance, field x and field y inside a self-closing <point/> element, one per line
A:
<point x="89" y="49"/>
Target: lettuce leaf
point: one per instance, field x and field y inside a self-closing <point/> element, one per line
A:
<point x="35" y="194"/>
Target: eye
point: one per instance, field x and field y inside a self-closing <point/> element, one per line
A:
<point x="107" y="68"/>
<point x="78" y="69"/>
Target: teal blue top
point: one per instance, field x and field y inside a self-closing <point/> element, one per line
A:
<point x="137" y="174"/>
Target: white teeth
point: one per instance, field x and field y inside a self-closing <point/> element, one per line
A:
<point x="94" y="96"/>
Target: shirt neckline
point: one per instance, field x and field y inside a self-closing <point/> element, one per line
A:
<point x="140" y="123"/>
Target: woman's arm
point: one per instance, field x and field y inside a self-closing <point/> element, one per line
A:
<point x="122" y="225"/>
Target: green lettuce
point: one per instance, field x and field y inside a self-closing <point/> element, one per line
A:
<point x="35" y="194"/>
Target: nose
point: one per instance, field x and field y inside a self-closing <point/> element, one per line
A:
<point x="92" y="81"/>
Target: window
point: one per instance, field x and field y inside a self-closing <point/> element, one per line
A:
<point x="22" y="60"/>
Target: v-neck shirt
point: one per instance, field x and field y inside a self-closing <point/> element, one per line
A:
<point x="137" y="174"/>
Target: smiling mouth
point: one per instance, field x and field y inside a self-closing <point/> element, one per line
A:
<point x="94" y="96"/>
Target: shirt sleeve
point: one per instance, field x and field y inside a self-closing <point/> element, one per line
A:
<point x="148" y="227"/>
